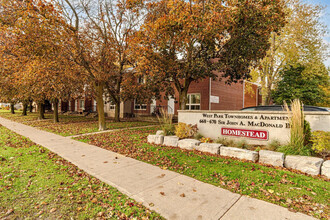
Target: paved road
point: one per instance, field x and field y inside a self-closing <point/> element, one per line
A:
<point x="183" y="197"/>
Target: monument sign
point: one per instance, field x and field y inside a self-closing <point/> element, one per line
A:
<point x="255" y="127"/>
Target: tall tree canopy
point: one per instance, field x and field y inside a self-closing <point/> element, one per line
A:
<point x="296" y="84"/>
<point x="100" y="43"/>
<point x="32" y="41"/>
<point x="186" y="41"/>
<point x="300" y="41"/>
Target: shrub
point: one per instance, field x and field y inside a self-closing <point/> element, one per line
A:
<point x="165" y="122"/>
<point x="241" y="144"/>
<point x="226" y="142"/>
<point x="183" y="130"/>
<point x="206" y="140"/>
<point x="321" y="142"/>
<point x="198" y="136"/>
<point x="307" y="133"/>
<point x="274" y="145"/>
<point x="303" y="151"/>
<point x="299" y="131"/>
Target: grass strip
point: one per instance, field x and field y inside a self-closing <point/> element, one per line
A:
<point x="36" y="183"/>
<point x="69" y="124"/>
<point x="284" y="187"/>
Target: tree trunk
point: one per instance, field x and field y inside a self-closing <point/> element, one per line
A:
<point x="25" y="106"/>
<point x="12" y="108"/>
<point x="41" y="111"/>
<point x="117" y="110"/>
<point x="268" y="95"/>
<point x="30" y="106"/>
<point x="99" y="87"/>
<point x="183" y="99"/>
<point x="56" y="111"/>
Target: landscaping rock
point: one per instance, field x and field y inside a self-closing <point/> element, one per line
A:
<point x="188" y="144"/>
<point x="155" y="139"/>
<point x="325" y="170"/>
<point x="151" y="138"/>
<point x="239" y="153"/>
<point x="160" y="132"/>
<point x="159" y="139"/>
<point x="310" y="165"/>
<point x="209" y="147"/>
<point x="171" y="141"/>
<point x="271" y="157"/>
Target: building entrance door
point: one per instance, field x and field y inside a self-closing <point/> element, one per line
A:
<point x="153" y="106"/>
<point x="170" y="105"/>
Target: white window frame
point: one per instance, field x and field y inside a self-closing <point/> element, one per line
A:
<point x="82" y="106"/>
<point x="189" y="104"/>
<point x="141" y="80"/>
<point x="141" y="107"/>
<point x="112" y="107"/>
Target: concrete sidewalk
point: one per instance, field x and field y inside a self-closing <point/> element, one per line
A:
<point x="183" y="197"/>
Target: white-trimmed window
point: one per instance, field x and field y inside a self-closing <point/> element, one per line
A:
<point x="112" y="107"/>
<point x="82" y="104"/>
<point x="193" y="102"/>
<point x="138" y="105"/>
<point x="141" y="80"/>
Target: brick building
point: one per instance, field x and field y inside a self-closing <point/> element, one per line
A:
<point x="206" y="94"/>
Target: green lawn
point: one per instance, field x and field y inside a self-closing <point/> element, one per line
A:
<point x="69" y="125"/>
<point x="35" y="183"/>
<point x="296" y="191"/>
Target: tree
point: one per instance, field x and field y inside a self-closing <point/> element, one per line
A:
<point x="32" y="39"/>
<point x="300" y="41"/>
<point x="185" y="41"/>
<point x="100" y="43"/>
<point x="296" y="84"/>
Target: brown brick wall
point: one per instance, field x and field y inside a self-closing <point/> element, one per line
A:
<point x="251" y="93"/>
<point x="230" y="96"/>
<point x="88" y="104"/>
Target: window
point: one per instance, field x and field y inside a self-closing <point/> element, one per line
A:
<point x="138" y="105"/>
<point x="111" y="106"/>
<point x="194" y="102"/>
<point x="141" y="80"/>
<point x="82" y="104"/>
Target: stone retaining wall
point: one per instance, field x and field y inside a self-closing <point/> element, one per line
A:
<point x="309" y="165"/>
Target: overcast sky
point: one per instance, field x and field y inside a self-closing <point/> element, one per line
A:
<point x="325" y="19"/>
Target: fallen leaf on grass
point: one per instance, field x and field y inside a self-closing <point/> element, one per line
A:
<point x="100" y="214"/>
<point x="9" y="212"/>
<point x="271" y="191"/>
<point x="53" y="210"/>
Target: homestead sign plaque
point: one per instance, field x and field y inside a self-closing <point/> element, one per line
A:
<point x="254" y="127"/>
